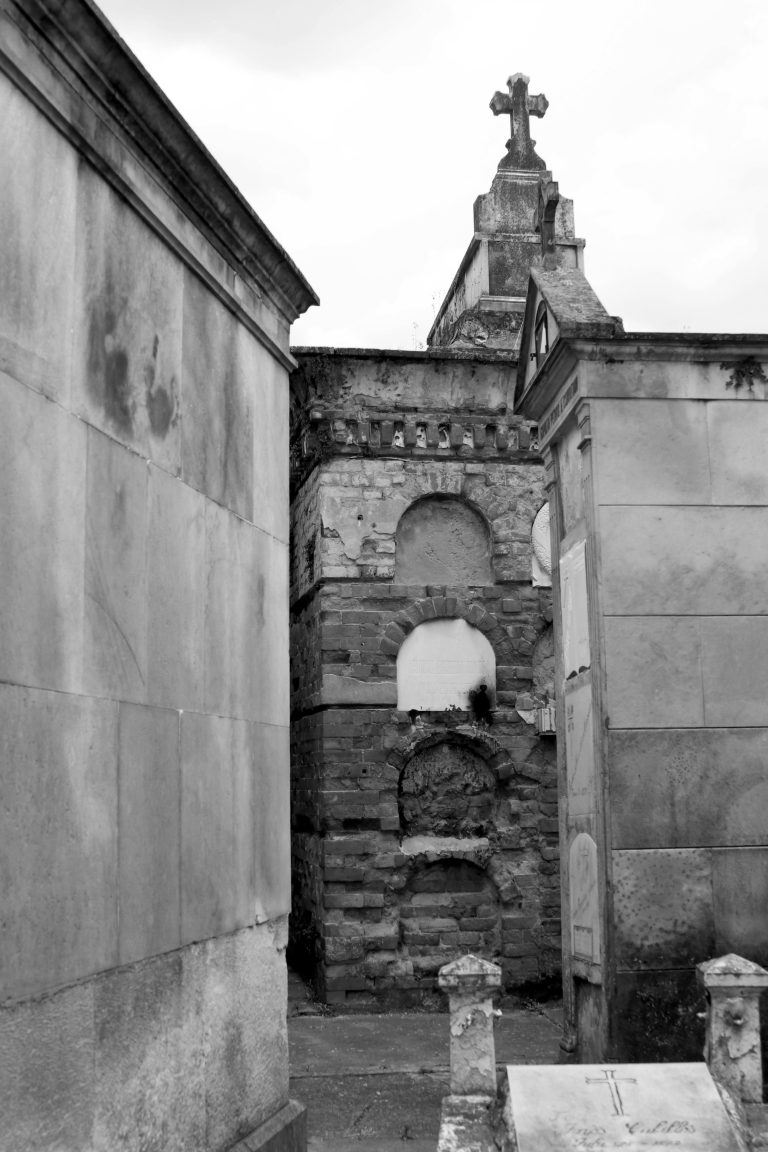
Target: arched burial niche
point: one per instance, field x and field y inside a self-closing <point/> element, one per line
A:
<point x="441" y="540"/>
<point x="446" y="789"/>
<point x="440" y="663"/>
<point x="440" y="903"/>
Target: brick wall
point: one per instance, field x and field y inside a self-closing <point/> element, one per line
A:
<point x="381" y="902"/>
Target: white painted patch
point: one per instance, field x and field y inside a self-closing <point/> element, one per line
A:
<point x="440" y="662"/>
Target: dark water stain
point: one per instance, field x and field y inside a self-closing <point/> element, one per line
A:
<point x="160" y="403"/>
<point x="108" y="369"/>
<point x="117" y="392"/>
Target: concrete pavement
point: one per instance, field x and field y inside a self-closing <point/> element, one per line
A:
<point x="375" y="1083"/>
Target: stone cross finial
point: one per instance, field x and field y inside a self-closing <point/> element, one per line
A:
<point x="520" y="106"/>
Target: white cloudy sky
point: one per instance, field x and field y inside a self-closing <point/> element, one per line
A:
<point x="360" y="132"/>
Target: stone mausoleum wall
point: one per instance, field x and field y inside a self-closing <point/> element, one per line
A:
<point x="144" y="853"/>
<point x="418" y="833"/>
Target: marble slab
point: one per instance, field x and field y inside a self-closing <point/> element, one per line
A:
<point x="598" y="1107"/>
<point x="573" y="596"/>
<point x="579" y="749"/>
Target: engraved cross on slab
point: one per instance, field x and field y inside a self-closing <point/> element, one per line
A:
<point x="612" y="1083"/>
<point x="520" y="106"/>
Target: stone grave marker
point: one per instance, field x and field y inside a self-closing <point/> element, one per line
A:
<point x="605" y="1107"/>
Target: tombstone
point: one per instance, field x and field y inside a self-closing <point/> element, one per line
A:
<point x="602" y="1107"/>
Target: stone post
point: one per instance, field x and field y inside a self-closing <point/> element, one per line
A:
<point x="471" y="983"/>
<point x="732" y="1047"/>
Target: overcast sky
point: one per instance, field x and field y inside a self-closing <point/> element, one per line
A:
<point x="360" y="132"/>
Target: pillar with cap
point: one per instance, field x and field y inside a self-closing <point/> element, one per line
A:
<point x="732" y="1046"/>
<point x="471" y="983"/>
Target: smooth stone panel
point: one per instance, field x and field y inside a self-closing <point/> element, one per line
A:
<point x="738" y="434"/>
<point x="684" y="561"/>
<point x="662" y="907"/>
<point x="176" y="593"/>
<point x="148" y="843"/>
<point x="220" y="393"/>
<point x="42" y="479"/>
<point x="115" y="625"/>
<point x="740" y="890"/>
<point x="686" y="787"/>
<point x="735" y="670"/>
<point x="217" y="850"/>
<point x="650" y="452"/>
<point x="271" y="821"/>
<point x="47" y="1060"/>
<point x="267" y="382"/>
<point x="246" y="620"/>
<point x="38" y="182"/>
<point x="653" y="671"/>
<point x="58" y="838"/>
<point x="126" y="362"/>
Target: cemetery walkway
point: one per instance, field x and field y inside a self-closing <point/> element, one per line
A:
<point x="374" y="1083"/>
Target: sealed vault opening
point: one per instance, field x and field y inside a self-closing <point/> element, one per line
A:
<point x="448" y="908"/>
<point x="446" y="790"/>
<point x="441" y="540"/>
<point x="440" y="663"/>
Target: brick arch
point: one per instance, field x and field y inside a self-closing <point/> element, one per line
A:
<point x="491" y="751"/>
<point x="446" y="608"/>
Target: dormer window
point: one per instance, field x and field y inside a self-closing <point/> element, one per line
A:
<point x="541" y="334"/>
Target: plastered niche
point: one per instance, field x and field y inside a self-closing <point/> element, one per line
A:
<point x="440" y="663"/>
<point x="442" y="540"/>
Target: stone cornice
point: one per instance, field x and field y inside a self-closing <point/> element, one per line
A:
<point x="101" y="78"/>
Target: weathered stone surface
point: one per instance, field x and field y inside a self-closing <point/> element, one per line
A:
<point x="740" y="892"/>
<point x="126" y="358"/>
<point x="176" y="588"/>
<point x="267" y="385"/>
<point x="219" y="399"/>
<point x="217" y="890"/>
<point x="47" y="1058"/>
<point x="148" y="833"/>
<point x="37" y="225"/>
<point x="686" y="787"/>
<point x="442" y="540"/>
<point x="271" y="821"/>
<point x="660" y="1014"/>
<point x="58" y="830"/>
<point x="662" y="901"/>
<point x="246" y="617"/>
<point x="732" y="1050"/>
<point x="653" y="671"/>
<point x="737" y="435"/>
<point x="684" y="560"/>
<point x="735" y="671"/>
<point x="666" y="461"/>
<point x="42" y="477"/>
<point x="115" y="626"/>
